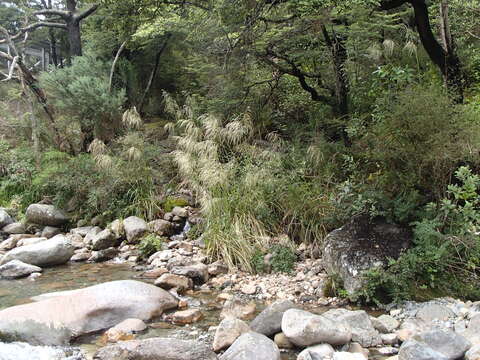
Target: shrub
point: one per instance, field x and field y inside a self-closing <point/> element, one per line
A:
<point x="149" y="245"/>
<point x="283" y="258"/>
<point x="445" y="259"/>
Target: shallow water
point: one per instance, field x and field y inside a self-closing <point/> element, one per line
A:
<point x="75" y="276"/>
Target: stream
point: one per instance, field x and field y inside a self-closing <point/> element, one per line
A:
<point x="75" y="276"/>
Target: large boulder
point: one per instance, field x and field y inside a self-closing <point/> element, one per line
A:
<point x="360" y="245"/>
<point x="317" y="352"/>
<point x="5" y="218"/>
<point x="56" y="320"/>
<point x="360" y="324"/>
<point x="135" y="228"/>
<point x="16" y="269"/>
<point x="156" y="349"/>
<point x="47" y="215"/>
<point x="104" y="239"/>
<point x="54" y="251"/>
<point x="250" y="346"/>
<point x="269" y="321"/>
<point x="304" y="329"/>
<point x="23" y="351"/>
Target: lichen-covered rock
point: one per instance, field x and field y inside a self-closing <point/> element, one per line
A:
<point x="47" y="215"/>
<point x="360" y="245"/>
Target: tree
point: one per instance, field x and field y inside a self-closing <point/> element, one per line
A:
<point x="443" y="54"/>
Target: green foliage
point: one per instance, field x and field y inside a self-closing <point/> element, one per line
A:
<point x="283" y="258"/>
<point x="446" y="256"/>
<point x="258" y="263"/>
<point x="149" y="245"/>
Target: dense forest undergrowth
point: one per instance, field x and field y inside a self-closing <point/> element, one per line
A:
<point x="281" y="117"/>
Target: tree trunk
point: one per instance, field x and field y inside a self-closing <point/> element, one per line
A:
<point x="53" y="47"/>
<point x="74" y="38"/>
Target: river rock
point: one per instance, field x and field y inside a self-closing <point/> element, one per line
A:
<point x="5" y="218"/>
<point x="385" y="324"/>
<point x="342" y="355"/>
<point x="30" y="241"/>
<point x="50" y="231"/>
<point x="135" y="228"/>
<point x="23" y="351"/>
<point x="217" y="268"/>
<point x="82" y="231"/>
<point x="124" y="329"/>
<point x="117" y="228"/>
<point x="473" y="353"/>
<point x="55" y="251"/>
<point x="360" y="245"/>
<point x="448" y="343"/>
<point x="197" y="272"/>
<point x="180" y="212"/>
<point x="80" y="257"/>
<point x="103" y="255"/>
<point x="360" y="324"/>
<point x="103" y="240"/>
<point x="56" y="320"/>
<point x="430" y="312"/>
<point x="317" y="352"/>
<point x="414" y="350"/>
<point x="184" y="317"/>
<point x="303" y="329"/>
<point x="14" y="228"/>
<point x="16" y="269"/>
<point x="282" y="341"/>
<point x="250" y="346"/>
<point x="227" y="332"/>
<point x="156" y="348"/>
<point x="47" y="215"/>
<point x="179" y="282"/>
<point x="238" y="308"/>
<point x="161" y="227"/>
<point x="269" y="321"/>
<point x="87" y="240"/>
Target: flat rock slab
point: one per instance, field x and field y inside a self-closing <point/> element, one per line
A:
<point x="156" y="349"/>
<point x="84" y="311"/>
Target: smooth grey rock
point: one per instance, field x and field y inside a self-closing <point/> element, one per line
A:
<point x="448" y="343"/>
<point x="317" y="352"/>
<point x="359" y="322"/>
<point x="47" y="215"/>
<point x="156" y="349"/>
<point x="94" y="230"/>
<point x="30" y="241"/>
<point x="360" y="245"/>
<point x="304" y="329"/>
<point x="82" y="231"/>
<point x="168" y="281"/>
<point x="84" y="311"/>
<point x="227" y="332"/>
<point x="414" y="350"/>
<point x="16" y="269"/>
<point x="55" y="251"/>
<point x="135" y="228"/>
<point x="430" y="312"/>
<point x="269" y="321"/>
<point x="104" y="239"/>
<point x="50" y="231"/>
<point x="24" y="351"/>
<point x="5" y="218"/>
<point x="386" y="324"/>
<point x="103" y="255"/>
<point x="197" y="272"/>
<point x="250" y="346"/>
<point x="14" y="228"/>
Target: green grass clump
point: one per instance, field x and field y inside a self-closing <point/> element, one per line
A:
<point x="172" y="202"/>
<point x="149" y="245"/>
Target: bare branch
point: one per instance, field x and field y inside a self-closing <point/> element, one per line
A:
<point x="86" y="13"/>
<point x="12" y="69"/>
<point x="53" y="12"/>
<point x="33" y="27"/>
<point x="112" y="71"/>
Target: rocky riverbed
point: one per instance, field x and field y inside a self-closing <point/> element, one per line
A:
<point x="87" y="294"/>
